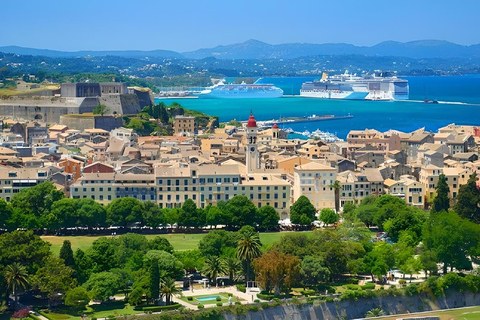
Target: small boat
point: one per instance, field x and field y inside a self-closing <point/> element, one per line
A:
<point x="430" y="101"/>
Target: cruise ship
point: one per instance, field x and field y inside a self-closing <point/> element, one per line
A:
<point x="223" y="90"/>
<point x="377" y="86"/>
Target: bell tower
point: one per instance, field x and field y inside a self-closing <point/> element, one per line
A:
<point x="252" y="156"/>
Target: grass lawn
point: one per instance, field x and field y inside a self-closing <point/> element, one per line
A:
<point x="179" y="241"/>
<point x="222" y="295"/>
<point x="451" y="314"/>
<point x="117" y="308"/>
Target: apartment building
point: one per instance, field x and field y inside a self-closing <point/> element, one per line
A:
<point x="314" y="181"/>
<point x="455" y="177"/>
<point x="408" y="189"/>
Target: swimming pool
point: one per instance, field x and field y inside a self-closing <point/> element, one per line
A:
<point x="208" y="298"/>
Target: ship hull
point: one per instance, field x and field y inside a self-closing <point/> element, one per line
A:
<point x="344" y="95"/>
<point x="241" y="95"/>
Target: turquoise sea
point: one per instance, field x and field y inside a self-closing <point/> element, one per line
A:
<point x="458" y="96"/>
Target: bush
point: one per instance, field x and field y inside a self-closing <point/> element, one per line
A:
<point x="368" y="286"/>
<point x="242" y="288"/>
<point x="22" y="313"/>
<point x="219" y="304"/>
<point x="160" y="308"/>
<point x="264" y="305"/>
<point x="329" y="299"/>
<point x="265" y="296"/>
<point x="218" y="299"/>
<point x="34" y="317"/>
<point x="238" y="303"/>
<point x="189" y="298"/>
<point x="402" y="281"/>
<point x="200" y="306"/>
<point x="307" y="293"/>
<point x="412" y="289"/>
<point x="256" y="301"/>
<point x="352" y="280"/>
<point x="353" y="287"/>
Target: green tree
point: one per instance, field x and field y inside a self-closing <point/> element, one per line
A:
<point x="313" y="270"/>
<point x="349" y="211"/>
<point x="168" y="265"/>
<point x="453" y="239"/>
<point x="168" y="289"/>
<point x="25" y="248"/>
<point x="367" y="213"/>
<point x="135" y="297"/>
<point x="124" y="211"/>
<point x="152" y="215"/>
<point x="216" y="216"/>
<point x="213" y="267"/>
<point x="154" y="280"/>
<point x="16" y="277"/>
<point x="232" y="267"/>
<point x="54" y="278"/>
<point x="442" y="200"/>
<point x="91" y="213"/>
<point x="102" y="254"/>
<point x="189" y="215"/>
<point x="242" y="211"/>
<point x="268" y="218"/>
<point x="468" y="200"/>
<point x="83" y="266"/>
<point x="77" y="297"/>
<point x="102" y="285"/>
<point x="302" y="211"/>
<point x="248" y="248"/>
<point x="336" y="186"/>
<point x="328" y="216"/>
<point x="160" y="243"/>
<point x="410" y="218"/>
<point x="216" y="241"/>
<point x="5" y="214"/>
<point x="101" y="109"/>
<point x="66" y="253"/>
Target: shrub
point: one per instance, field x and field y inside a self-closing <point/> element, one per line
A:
<point x="368" y="286"/>
<point x="353" y="287"/>
<point x="189" y="298"/>
<point x="307" y="293"/>
<point x="218" y="299"/>
<point x="264" y="305"/>
<point x="200" y="306"/>
<point x="34" y="317"/>
<point x="242" y="288"/>
<point x="412" y="289"/>
<point x="256" y="301"/>
<point x="219" y="304"/>
<point x="329" y="299"/>
<point x="352" y="280"/>
<point x="160" y="308"/>
<point x="22" y="313"/>
<point x="265" y="296"/>
<point x="238" y="303"/>
<point x="402" y="281"/>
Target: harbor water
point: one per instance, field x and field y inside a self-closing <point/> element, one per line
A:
<point x="458" y="97"/>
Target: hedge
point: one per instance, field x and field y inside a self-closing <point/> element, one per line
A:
<point x="160" y="308"/>
<point x="34" y="317"/>
<point x="242" y="288"/>
<point x="46" y="315"/>
<point x="368" y="286"/>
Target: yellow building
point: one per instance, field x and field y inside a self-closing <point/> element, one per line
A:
<point x="313" y="180"/>
<point x="406" y="188"/>
<point x="184" y="126"/>
<point x="455" y="177"/>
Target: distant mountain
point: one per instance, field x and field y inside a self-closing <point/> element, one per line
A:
<point x="254" y="49"/>
<point x="138" y="54"/>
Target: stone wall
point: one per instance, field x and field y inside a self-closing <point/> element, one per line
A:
<point x="350" y="309"/>
<point x="82" y="122"/>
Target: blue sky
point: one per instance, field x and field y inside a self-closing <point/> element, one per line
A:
<point x="184" y="25"/>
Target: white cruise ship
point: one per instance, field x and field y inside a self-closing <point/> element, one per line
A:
<point x="379" y="86"/>
<point x="223" y="90"/>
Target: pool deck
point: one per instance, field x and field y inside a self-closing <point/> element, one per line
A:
<point x="247" y="298"/>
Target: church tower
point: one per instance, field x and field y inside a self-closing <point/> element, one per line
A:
<point x="275" y="131"/>
<point x="252" y="156"/>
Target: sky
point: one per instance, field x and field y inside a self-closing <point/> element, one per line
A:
<point x="185" y="25"/>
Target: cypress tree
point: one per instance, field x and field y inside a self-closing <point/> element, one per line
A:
<point x="154" y="280"/>
<point x="442" y="200"/>
<point x="66" y="253"/>
<point x="468" y="200"/>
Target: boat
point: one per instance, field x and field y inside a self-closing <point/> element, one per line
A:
<point x="430" y="101"/>
<point x="377" y="86"/>
<point x="222" y="90"/>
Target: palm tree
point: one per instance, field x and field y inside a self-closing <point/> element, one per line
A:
<point x="232" y="267"/>
<point x="376" y="312"/>
<point x="16" y="277"/>
<point x="248" y="248"/>
<point x="336" y="187"/>
<point x="213" y="267"/>
<point x="168" y="289"/>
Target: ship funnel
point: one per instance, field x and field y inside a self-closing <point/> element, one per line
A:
<point x="324" y="76"/>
